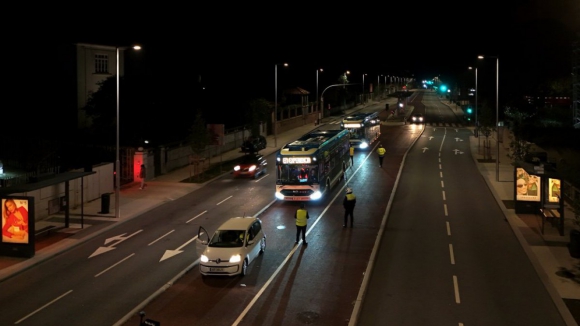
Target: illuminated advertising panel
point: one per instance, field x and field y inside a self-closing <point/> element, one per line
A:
<point x="527" y="186"/>
<point x="353" y="125"/>
<point x="15" y="228"/>
<point x="554" y="190"/>
<point x="296" y="160"/>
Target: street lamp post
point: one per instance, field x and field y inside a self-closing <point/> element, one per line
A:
<point x="363" y="89"/>
<point x="117" y="159"/>
<point x="317" y="99"/>
<point x="276" y="104"/>
<point x="496" y="113"/>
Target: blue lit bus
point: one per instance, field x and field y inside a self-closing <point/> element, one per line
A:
<point x="307" y="168"/>
<point x="364" y="128"/>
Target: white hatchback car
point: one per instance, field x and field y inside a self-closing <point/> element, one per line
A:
<point x="233" y="246"/>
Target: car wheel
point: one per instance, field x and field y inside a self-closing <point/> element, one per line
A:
<point x="245" y="267"/>
<point x="263" y="245"/>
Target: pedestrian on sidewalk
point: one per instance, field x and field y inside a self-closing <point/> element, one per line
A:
<point x="301" y="217"/>
<point x="381" y="151"/>
<point x="349" y="202"/>
<point x="351" y="154"/>
<point x="143" y="175"/>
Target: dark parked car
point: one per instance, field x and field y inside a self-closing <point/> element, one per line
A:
<point x="254" y="144"/>
<point x="251" y="165"/>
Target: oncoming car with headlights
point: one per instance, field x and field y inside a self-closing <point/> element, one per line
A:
<point x="232" y="248"/>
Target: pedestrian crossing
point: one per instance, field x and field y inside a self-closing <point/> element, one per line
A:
<point x="445" y="124"/>
<point x="427" y="124"/>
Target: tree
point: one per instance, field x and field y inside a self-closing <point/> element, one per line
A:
<point x="259" y="110"/>
<point x="101" y="111"/>
<point x="199" y="137"/>
<point x="520" y="145"/>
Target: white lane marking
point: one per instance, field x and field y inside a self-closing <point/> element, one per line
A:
<point x="443" y="195"/>
<point x="120" y="261"/>
<point x="442" y="184"/>
<point x="196" y="216"/>
<point x="161" y="237"/>
<point x="445" y="209"/>
<point x="221" y="202"/>
<point x="448" y="228"/>
<point x="456" y="287"/>
<point x="46" y="305"/>
<point x="451" y="254"/>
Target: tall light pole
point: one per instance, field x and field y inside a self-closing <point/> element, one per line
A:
<point x="363" y="89"/>
<point x="317" y="99"/>
<point x="117" y="160"/>
<point x="276" y="104"/>
<point x="496" y="113"/>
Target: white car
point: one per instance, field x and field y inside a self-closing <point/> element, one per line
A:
<point x="233" y="246"/>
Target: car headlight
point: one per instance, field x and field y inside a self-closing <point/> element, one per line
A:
<point x="316" y="195"/>
<point x="235" y="259"/>
<point x="252" y="168"/>
<point x="203" y="258"/>
<point x="363" y="145"/>
<point x="237" y="168"/>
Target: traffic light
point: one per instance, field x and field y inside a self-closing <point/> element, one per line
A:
<point x="443" y="88"/>
<point x="468" y="112"/>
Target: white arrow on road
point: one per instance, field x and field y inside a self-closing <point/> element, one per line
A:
<point x="117" y="239"/>
<point x="457" y="151"/>
<point x="424" y="149"/>
<point x="431" y="137"/>
<point x="171" y="253"/>
<point x="458" y="139"/>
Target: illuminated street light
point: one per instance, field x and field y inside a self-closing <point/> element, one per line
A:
<point x="117" y="160"/>
<point x="496" y="112"/>
<point x="276" y="104"/>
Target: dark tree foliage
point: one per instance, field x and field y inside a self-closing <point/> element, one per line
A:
<point x="199" y="136"/>
<point x="258" y="111"/>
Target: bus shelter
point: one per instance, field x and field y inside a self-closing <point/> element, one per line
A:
<point x="537" y="190"/>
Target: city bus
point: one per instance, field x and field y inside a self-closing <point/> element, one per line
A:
<point x="307" y="168"/>
<point x="364" y="128"/>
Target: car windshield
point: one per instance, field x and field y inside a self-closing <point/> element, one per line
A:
<point x="249" y="159"/>
<point x="227" y="239"/>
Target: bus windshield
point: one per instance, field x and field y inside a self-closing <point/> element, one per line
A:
<point x="298" y="174"/>
<point x="356" y="133"/>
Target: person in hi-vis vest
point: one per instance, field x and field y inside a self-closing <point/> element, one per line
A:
<point x="301" y="217"/>
<point x="381" y="151"/>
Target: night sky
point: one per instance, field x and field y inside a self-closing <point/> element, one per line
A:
<point x="230" y="50"/>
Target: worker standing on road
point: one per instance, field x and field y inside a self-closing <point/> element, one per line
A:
<point x="349" y="202"/>
<point x="301" y="217"/>
<point x="381" y="151"/>
<point x="351" y="154"/>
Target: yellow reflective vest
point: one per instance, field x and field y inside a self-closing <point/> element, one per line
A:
<point x="301" y="217"/>
<point x="381" y="151"/>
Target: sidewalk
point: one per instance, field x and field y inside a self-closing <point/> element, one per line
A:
<point x="547" y="252"/>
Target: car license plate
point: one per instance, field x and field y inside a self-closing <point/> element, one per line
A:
<point x="216" y="269"/>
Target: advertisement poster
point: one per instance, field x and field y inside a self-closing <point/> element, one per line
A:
<point x="554" y="190"/>
<point x="15" y="220"/>
<point x="527" y="186"/>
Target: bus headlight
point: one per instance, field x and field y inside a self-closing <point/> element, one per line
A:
<point x="316" y="195"/>
<point x="363" y="145"/>
<point x="279" y="196"/>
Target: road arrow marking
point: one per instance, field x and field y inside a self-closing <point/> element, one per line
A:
<point x="425" y="149"/>
<point x="457" y="151"/>
<point x="118" y="238"/>
<point x="170" y="253"/>
<point x="458" y="139"/>
<point x="431" y="137"/>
